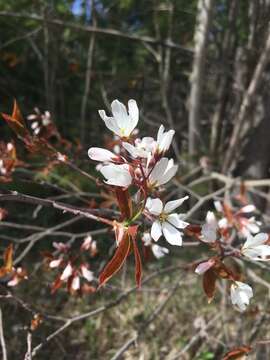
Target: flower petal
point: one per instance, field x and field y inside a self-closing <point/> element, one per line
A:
<point x="120" y="114"/>
<point x="174" y="220"/>
<point x="133" y="114"/>
<point x="159" y="251"/>
<point x="154" y="206"/>
<point x="156" y="230"/>
<point x="172" y="205"/>
<point x="158" y="170"/>
<point x="172" y="235"/>
<point x="110" y="123"/>
<point x="117" y="175"/>
<point x="256" y="240"/>
<point x="99" y="154"/>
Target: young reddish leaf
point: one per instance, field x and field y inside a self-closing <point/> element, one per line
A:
<point x="132" y="230"/>
<point x="193" y="230"/>
<point x="223" y="271"/>
<point x="15" y="121"/>
<point x="203" y="266"/>
<point x="209" y="284"/>
<point x="228" y="212"/>
<point x="117" y="261"/>
<point x="124" y="202"/>
<point x="36" y="322"/>
<point x="237" y="353"/>
<point x="56" y="284"/>
<point x="8" y="255"/>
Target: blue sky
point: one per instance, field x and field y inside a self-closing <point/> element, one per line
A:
<point x="78" y="7"/>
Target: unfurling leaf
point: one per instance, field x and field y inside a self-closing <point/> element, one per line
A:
<point x="36" y="322"/>
<point x="117" y="261"/>
<point x="124" y="202"/>
<point x="8" y="255"/>
<point x="209" y="284"/>
<point x="132" y="230"/>
<point x="16" y="122"/>
<point x="239" y="353"/>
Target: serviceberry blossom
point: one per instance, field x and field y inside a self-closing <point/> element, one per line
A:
<point x="103" y="155"/>
<point x="255" y="247"/>
<point x="166" y="223"/>
<point x="122" y="123"/>
<point x="163" y="172"/>
<point x="209" y="229"/>
<point x="241" y="294"/>
<point x="157" y="250"/>
<point x="147" y="147"/>
<point x="117" y="175"/>
<point x="164" y="139"/>
<point x="238" y="219"/>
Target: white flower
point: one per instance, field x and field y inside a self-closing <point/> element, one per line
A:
<point x="117" y="175"/>
<point x="99" y="154"/>
<point x="163" y="171"/>
<point x="87" y="274"/>
<point x="122" y="123"/>
<point x="164" y="139"/>
<point x="241" y="293"/>
<point x="143" y="148"/>
<point x="166" y="223"/>
<point x="67" y="272"/>
<point x="55" y="263"/>
<point x="75" y="285"/>
<point x="146" y="238"/>
<point x="159" y="251"/>
<point x="255" y="249"/>
<point x="209" y="229"/>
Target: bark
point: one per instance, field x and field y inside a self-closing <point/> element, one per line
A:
<point x="88" y="74"/>
<point x="224" y="84"/>
<point x="205" y="8"/>
<point x="247" y="101"/>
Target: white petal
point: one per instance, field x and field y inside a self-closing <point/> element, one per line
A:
<point x="166" y="141"/>
<point x="99" y="154"/>
<point x="256" y="240"/>
<point x="117" y="175"/>
<point x="87" y="274"/>
<point x="172" y="205"/>
<point x="110" y="123"/>
<point x="252" y="227"/>
<point x="172" y="235"/>
<point x="169" y="173"/>
<point x="156" y="230"/>
<point x="209" y="233"/>
<point x="154" y="206"/>
<point x="75" y="285"/>
<point x="259" y="253"/>
<point x="218" y="206"/>
<point x="130" y="149"/>
<point x="160" y="133"/>
<point x="120" y="114"/>
<point x="223" y="223"/>
<point x="133" y="113"/>
<point x="159" y="170"/>
<point x="211" y="218"/>
<point x="174" y="220"/>
<point x="67" y="272"/>
<point x="159" y="251"/>
<point x="247" y="209"/>
<point x="55" y="263"/>
<point x="146" y="238"/>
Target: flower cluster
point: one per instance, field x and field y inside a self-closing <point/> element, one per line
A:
<point x="8" y="161"/>
<point x="73" y="272"/>
<point x="135" y="170"/>
<point x="223" y="230"/>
